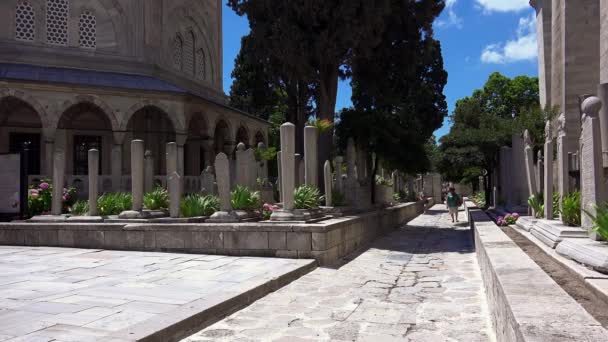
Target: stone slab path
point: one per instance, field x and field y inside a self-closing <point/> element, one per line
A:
<point x="66" y="294"/>
<point x="420" y="283"/>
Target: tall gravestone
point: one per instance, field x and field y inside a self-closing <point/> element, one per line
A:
<point x="311" y="152"/>
<point x="540" y="173"/>
<point x="327" y="179"/>
<point x="563" y="178"/>
<point x="338" y="160"/>
<point x="262" y="164"/>
<point x="592" y="172"/>
<point x="519" y="182"/>
<point x="222" y="172"/>
<point x="171" y="158"/>
<point x="93" y="180"/>
<point x="137" y="174"/>
<point x="529" y="163"/>
<point x="208" y="180"/>
<point x="548" y="177"/>
<point x="288" y="165"/>
<point x="250" y="169"/>
<point x="58" y="179"/>
<point x="175" y="193"/>
<point x="280" y="176"/>
<point x="148" y="171"/>
<point x="241" y="165"/>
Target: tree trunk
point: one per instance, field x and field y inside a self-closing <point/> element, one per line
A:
<point x="326" y="105"/>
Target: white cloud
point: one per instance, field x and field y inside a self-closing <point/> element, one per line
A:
<point x="452" y="20"/>
<point x="503" y="5"/>
<point x="522" y="48"/>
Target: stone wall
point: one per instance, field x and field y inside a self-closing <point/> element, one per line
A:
<point x="325" y="241"/>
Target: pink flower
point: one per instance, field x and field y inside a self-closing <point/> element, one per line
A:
<point x="515" y="216"/>
<point x="64" y="198"/>
<point x="34" y="193"/>
<point x="44" y="185"/>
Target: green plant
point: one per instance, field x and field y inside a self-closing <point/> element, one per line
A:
<point x="536" y="203"/>
<point x="307" y="197"/>
<point x="600" y="220"/>
<point x="113" y="203"/>
<point x="322" y="125"/>
<point x="242" y="198"/>
<point x="337" y="198"/>
<point x="383" y="181"/>
<point x="479" y="198"/>
<point x="157" y="199"/>
<point x="556" y="204"/>
<point x="267" y="154"/>
<point x="571" y="209"/>
<point x="199" y="205"/>
<point x="80" y="208"/>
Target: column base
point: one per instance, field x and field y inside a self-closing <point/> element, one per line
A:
<point x="282" y="215"/>
<point x="223" y="217"/>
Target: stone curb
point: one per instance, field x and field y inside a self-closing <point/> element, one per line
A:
<point x="590" y="277"/>
<point x="185" y="321"/>
<point x="525" y="303"/>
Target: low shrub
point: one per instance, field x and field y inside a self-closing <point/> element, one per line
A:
<point x="479" y="198"/>
<point x="571" y="209"/>
<point x="600" y="220"/>
<point x="337" y="198"/>
<point x="242" y="198"/>
<point x="199" y="205"/>
<point x="40" y="198"/>
<point x="113" y="203"/>
<point x="508" y="220"/>
<point x="537" y="204"/>
<point x="383" y="181"/>
<point x="307" y="197"/>
<point x="157" y="199"/>
<point x="556" y="204"/>
<point x="80" y="208"/>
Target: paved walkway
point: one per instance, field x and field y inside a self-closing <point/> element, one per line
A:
<point x="421" y="283"/>
<point x="67" y="294"/>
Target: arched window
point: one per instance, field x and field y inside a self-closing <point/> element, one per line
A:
<point x="57" y="13"/>
<point x="200" y="64"/>
<point x="189" y="43"/>
<point x="87" y="30"/>
<point x="25" y="21"/>
<point x="178" y="51"/>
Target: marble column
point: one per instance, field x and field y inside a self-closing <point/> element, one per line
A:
<point x="137" y="174"/>
<point x="171" y="158"/>
<point x="288" y="166"/>
<point x="563" y="177"/>
<point x="116" y="164"/>
<point x="93" y="180"/>
<point x="180" y="139"/>
<point x="280" y="176"/>
<point x="327" y="178"/>
<point x="48" y="136"/>
<point x="548" y="177"/>
<point x="222" y="170"/>
<point x="148" y="171"/>
<point x="592" y="172"/>
<point x="58" y="180"/>
<point x="311" y="153"/>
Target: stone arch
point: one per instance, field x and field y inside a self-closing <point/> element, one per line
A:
<point x="259" y="138"/>
<point x="31" y="101"/>
<point x="222" y="135"/>
<point x="82" y="99"/>
<point x="178" y="127"/>
<point x="198" y="123"/>
<point x="242" y="135"/>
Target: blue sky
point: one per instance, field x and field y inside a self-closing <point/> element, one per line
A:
<point x="478" y="37"/>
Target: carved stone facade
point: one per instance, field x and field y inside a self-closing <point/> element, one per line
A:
<point x="78" y="74"/>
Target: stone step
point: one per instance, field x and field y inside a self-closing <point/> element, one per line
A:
<point x="552" y="232"/>
<point x="590" y="253"/>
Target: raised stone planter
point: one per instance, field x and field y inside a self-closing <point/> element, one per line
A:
<point x="512" y="281"/>
<point x="325" y="241"/>
<point x="553" y="232"/>
<point x="587" y="252"/>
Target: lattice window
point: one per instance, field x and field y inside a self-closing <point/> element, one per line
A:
<point x="189" y="43"/>
<point x="178" y="51"/>
<point x="87" y="28"/>
<point x="200" y="64"/>
<point x="57" y="22"/>
<point x="25" y="21"/>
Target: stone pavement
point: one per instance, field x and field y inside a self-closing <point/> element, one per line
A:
<point x="66" y="294"/>
<point x="420" y="283"/>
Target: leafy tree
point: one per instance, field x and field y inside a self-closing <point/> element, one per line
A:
<point x="395" y="114"/>
<point x="311" y="41"/>
<point x="484" y="122"/>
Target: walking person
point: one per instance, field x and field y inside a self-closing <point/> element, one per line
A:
<point x="453" y="201"/>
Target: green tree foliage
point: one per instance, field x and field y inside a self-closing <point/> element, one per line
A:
<point x="486" y="121"/>
<point x="398" y="99"/>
